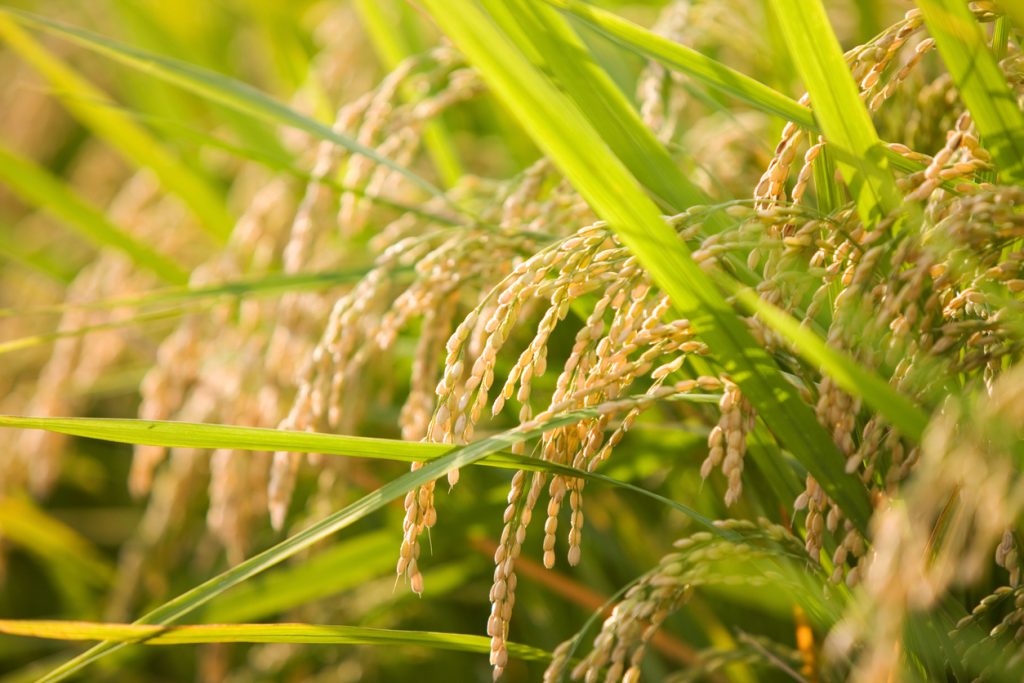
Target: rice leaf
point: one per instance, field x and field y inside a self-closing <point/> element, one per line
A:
<point x="980" y="81"/>
<point x="1001" y="38"/>
<point x="438" y="467"/>
<point x="22" y="343"/>
<point x="173" y="434"/>
<point x="707" y="70"/>
<point x="856" y="149"/>
<point x="570" y="141"/>
<point x="558" y="49"/>
<point x="900" y="411"/>
<point x="266" y="285"/>
<point x="828" y="192"/>
<point x="691" y="62"/>
<point x="215" y="87"/>
<point x="259" y="633"/>
<point x="197" y="435"/>
<point x="41" y="189"/>
<point x="91" y="107"/>
<point x="1014" y="10"/>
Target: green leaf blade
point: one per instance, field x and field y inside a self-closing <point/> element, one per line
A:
<point x="260" y="633"/>
<point x="710" y="72"/>
<point x="615" y="195"/>
<point x="687" y="60"/>
<point x="980" y="81"/>
<point x="545" y="33"/>
<point x="853" y="142"/>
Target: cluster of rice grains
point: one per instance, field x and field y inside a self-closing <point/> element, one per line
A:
<point x="626" y="336"/>
<point x="239" y="362"/>
<point x="739" y="553"/>
<point x="919" y="306"/>
<point x="267" y="358"/>
<point x="965" y="496"/>
<point x="466" y="273"/>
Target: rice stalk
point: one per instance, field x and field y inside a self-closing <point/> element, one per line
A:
<point x="508" y="305"/>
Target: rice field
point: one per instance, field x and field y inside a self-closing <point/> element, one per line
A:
<point x="520" y="340"/>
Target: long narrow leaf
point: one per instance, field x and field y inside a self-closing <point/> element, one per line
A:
<point x="39" y="339"/>
<point x="1014" y="10"/>
<point x="570" y="141"/>
<point x="827" y="190"/>
<point x="273" y="283"/>
<point x="197" y="435"/>
<point x="1001" y="33"/>
<point x="559" y="49"/>
<point x="708" y="71"/>
<point x="259" y="633"/>
<point x="211" y="436"/>
<point x="853" y="142"/>
<point x="203" y="593"/>
<point x="981" y="83"/>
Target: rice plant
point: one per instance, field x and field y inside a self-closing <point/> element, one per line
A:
<point x="512" y="339"/>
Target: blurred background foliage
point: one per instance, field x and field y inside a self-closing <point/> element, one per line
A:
<point x="97" y="156"/>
